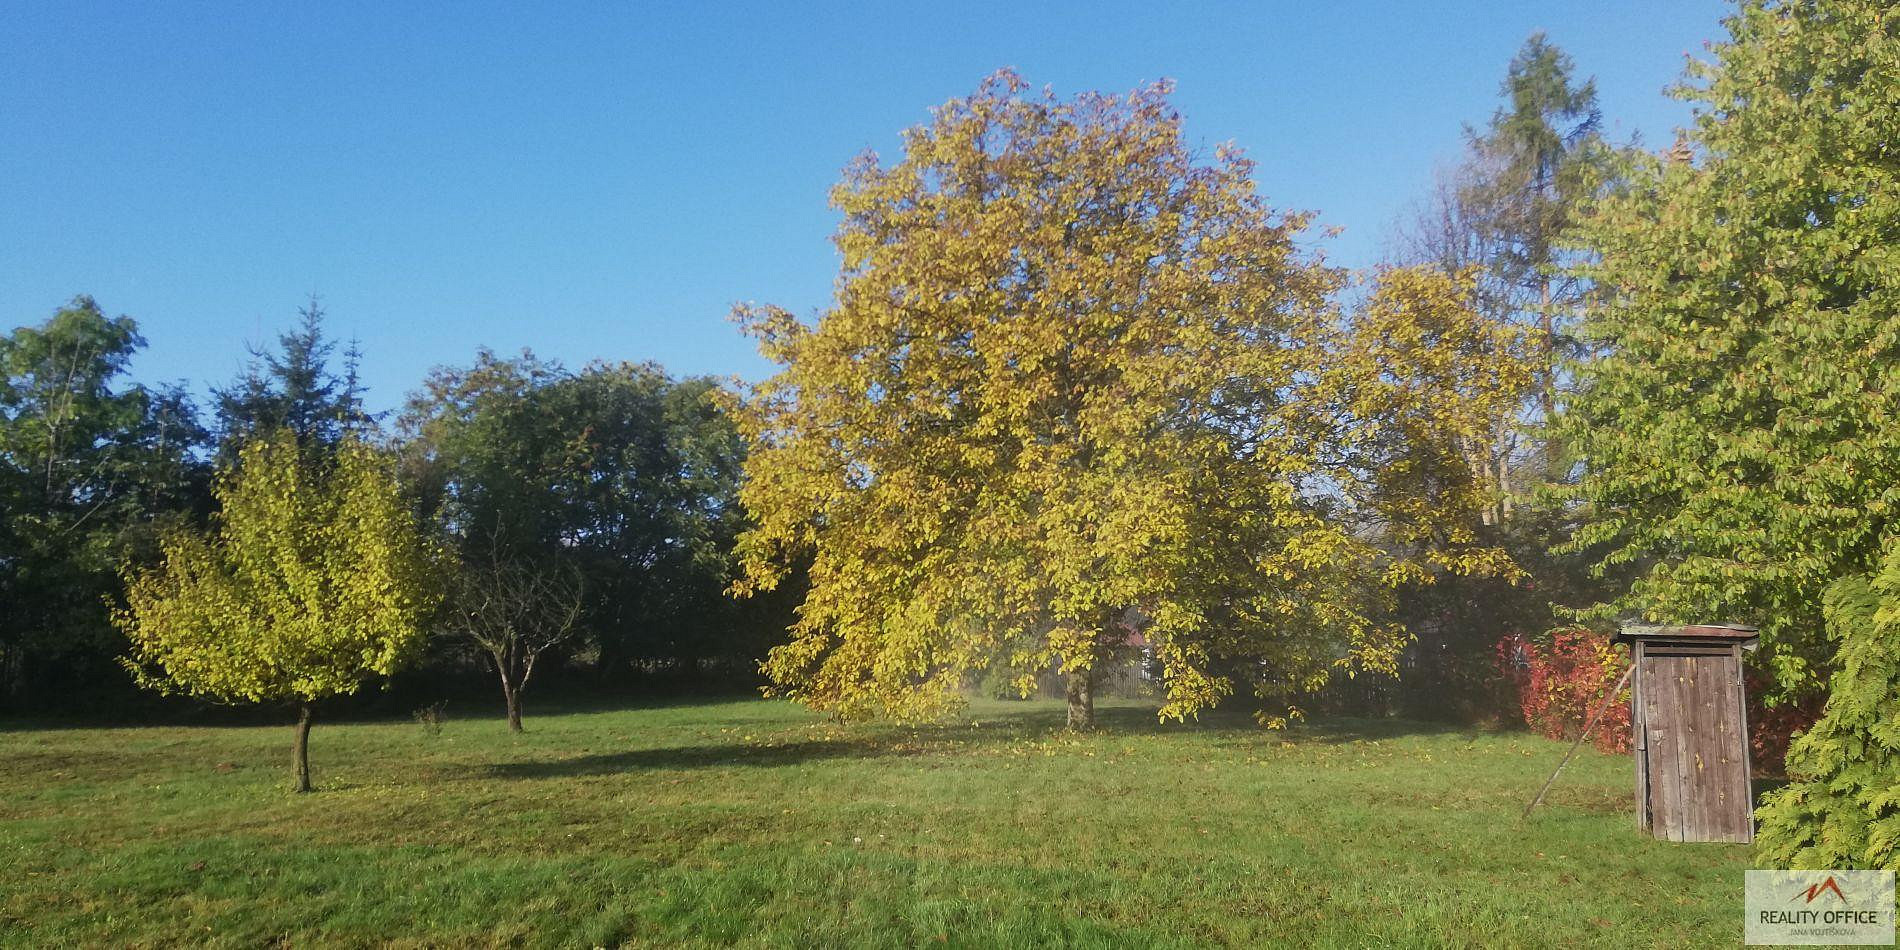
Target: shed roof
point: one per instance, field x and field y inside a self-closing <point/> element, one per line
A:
<point x="1727" y="632"/>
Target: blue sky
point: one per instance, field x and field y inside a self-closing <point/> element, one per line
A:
<point x="606" y="180"/>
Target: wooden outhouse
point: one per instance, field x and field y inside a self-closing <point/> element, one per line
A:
<point x="1689" y="731"/>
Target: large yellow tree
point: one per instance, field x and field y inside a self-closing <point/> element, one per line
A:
<point x="314" y="579"/>
<point x="1081" y="390"/>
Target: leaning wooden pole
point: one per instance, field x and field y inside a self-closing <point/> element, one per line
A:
<point x="1592" y="724"/>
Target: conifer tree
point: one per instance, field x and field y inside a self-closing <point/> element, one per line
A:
<point x="295" y="387"/>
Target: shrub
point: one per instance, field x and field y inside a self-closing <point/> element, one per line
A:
<point x="431" y="717"/>
<point x="1841" y="807"/>
<point x="1557" y="686"/>
<point x="1772" y="728"/>
<point x="1560" y="684"/>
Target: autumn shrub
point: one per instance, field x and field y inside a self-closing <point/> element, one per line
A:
<point x="1772" y="728"/>
<point x="1560" y="683"/>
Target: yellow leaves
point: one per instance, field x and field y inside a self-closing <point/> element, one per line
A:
<point x="314" y="578"/>
<point x="1073" y="375"/>
<point x="1400" y="573"/>
<point x="1422" y="358"/>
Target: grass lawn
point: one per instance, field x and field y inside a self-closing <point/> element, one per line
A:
<point x="758" y="823"/>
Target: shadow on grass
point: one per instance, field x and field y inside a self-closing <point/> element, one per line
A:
<point x="897" y="742"/>
<point x="1342" y="731"/>
<point x="464" y="704"/>
<point x="871" y="742"/>
<point x="694" y="757"/>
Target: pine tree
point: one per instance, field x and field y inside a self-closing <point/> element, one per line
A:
<point x="294" y="387"/>
<point x="1503" y="210"/>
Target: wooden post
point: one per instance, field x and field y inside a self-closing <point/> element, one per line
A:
<point x="1585" y="734"/>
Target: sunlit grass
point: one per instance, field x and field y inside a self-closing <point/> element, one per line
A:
<point x="759" y="823"/>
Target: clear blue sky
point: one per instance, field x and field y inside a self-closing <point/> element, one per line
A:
<point x="606" y="180"/>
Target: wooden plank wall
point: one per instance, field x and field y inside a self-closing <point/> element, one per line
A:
<point x="1639" y="737"/>
<point x="1727" y="801"/>
<point x="1660" y="691"/>
<point x="1692" y="747"/>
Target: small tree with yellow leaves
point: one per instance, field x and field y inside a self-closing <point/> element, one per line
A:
<point x="1077" y="382"/>
<point x="313" y="579"/>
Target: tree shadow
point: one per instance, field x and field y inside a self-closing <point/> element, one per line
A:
<point x="1110" y="720"/>
<point x="1239" y="720"/>
<point x="869" y="741"/>
<point x="694" y="757"/>
<point x="873" y="741"/>
<point x="1345" y="731"/>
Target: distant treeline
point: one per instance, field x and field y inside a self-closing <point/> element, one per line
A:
<point x="616" y="477"/>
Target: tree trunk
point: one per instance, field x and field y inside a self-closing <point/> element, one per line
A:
<point x="1082" y="699"/>
<point x="1504" y="485"/>
<point x="13" y="677"/>
<point x="300" y="754"/>
<point x="1547" y="393"/>
<point x="512" y="694"/>
<point x="511" y="686"/>
<point x="1547" y="373"/>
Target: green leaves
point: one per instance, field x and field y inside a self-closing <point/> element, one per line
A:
<point x="1738" y="427"/>
<point x="1840" y="809"/>
<point x="87" y="464"/>
<point x="314" y="579"/>
<point x="617" y="471"/>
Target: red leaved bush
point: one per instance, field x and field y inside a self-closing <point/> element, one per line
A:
<point x="1561" y="684"/>
<point x="1771" y="728"/>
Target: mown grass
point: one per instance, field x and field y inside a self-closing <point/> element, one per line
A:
<point x="757" y="823"/>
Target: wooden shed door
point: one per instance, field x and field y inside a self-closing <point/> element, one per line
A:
<point x="1694" y="751"/>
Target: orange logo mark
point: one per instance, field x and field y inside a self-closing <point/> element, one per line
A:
<point x="1816" y="890"/>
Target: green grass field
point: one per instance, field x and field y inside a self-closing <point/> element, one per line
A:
<point x="757" y="823"/>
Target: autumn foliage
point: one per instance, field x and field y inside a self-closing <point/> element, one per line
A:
<point x="1559" y="684"/>
<point x="1771" y="729"/>
<point x="313" y="580"/>
<point x="1078" y="376"/>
